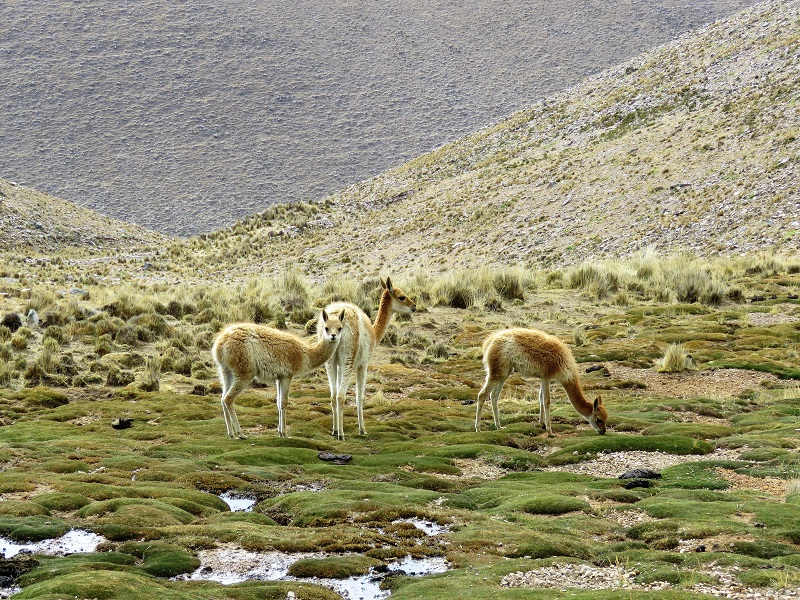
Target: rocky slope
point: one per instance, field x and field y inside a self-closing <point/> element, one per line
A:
<point x="690" y="147"/>
<point x="187" y="116"/>
<point x="32" y="221"/>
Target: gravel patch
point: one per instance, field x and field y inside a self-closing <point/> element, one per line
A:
<point x="709" y="383"/>
<point x="614" y="464"/>
<point x="760" y="319"/>
<point x="588" y="577"/>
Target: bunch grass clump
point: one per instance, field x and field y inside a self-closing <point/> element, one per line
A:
<point x="676" y="360"/>
<point x="482" y="287"/>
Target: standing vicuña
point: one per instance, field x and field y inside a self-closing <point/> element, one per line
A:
<point x="536" y="354"/>
<point x="359" y="339"/>
<point x="245" y="352"/>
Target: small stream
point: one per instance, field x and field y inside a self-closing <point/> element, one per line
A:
<point x="228" y="565"/>
<point x="75" y="541"/>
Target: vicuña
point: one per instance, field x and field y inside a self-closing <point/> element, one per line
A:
<point x="245" y="352"/>
<point x="359" y="339"/>
<point x="536" y="354"/>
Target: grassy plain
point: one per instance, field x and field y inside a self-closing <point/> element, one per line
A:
<point x="514" y="500"/>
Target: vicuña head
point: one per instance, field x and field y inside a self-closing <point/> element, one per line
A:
<point x="536" y="354"/>
<point x="246" y="352"/>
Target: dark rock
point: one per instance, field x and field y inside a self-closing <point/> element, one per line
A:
<point x="594" y="368"/>
<point x="467" y="402"/>
<point x="700" y="548"/>
<point x="637" y="483"/>
<point x="13" y="321"/>
<point x="758" y="298"/>
<point x="122" y="423"/>
<point x="640" y="473"/>
<point x="337" y="459"/>
<point x="11" y="568"/>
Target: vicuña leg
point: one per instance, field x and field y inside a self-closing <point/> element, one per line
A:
<point x="283" y="400"/>
<point x="544" y="406"/>
<point x="332" y="372"/>
<point x="361" y="384"/>
<point x="344" y="378"/>
<point x="491" y="389"/>
<point x="229" y="412"/>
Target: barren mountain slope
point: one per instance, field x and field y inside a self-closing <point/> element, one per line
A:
<point x="186" y="116"/>
<point x="692" y="146"/>
<point x="33" y="221"/>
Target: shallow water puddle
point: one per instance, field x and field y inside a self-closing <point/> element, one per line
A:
<point x="238" y="503"/>
<point x="228" y="565"/>
<point x="75" y="541"/>
<point x="429" y="527"/>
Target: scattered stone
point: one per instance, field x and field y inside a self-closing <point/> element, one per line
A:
<point x="11" y="568"/>
<point x="200" y="390"/>
<point x="594" y="368"/>
<point x="467" y="402"/>
<point x="121" y="423"/>
<point x="12" y="321"/>
<point x="640" y="473"/>
<point x="640" y="483"/>
<point x="337" y="459"/>
<point x="758" y="298"/>
<point x="32" y="318"/>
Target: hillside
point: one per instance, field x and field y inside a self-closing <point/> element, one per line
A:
<point x="33" y="221"/>
<point x="187" y="116"/>
<point x="690" y="147"/>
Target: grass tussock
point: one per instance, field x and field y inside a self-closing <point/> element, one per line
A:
<point x="675" y="360"/>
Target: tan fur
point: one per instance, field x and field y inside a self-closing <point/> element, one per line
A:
<point x="536" y="354"/>
<point x="246" y="352"/>
<point x="359" y="339"/>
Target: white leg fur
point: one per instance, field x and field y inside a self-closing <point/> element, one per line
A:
<point x="361" y="384"/>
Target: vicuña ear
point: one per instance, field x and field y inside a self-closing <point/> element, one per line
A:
<point x="324" y="315"/>
<point x="598" y="402"/>
<point x="341" y="316"/>
<point x="389" y="286"/>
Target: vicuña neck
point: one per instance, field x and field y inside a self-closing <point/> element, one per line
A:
<point x="384" y="316"/>
<point x="579" y="401"/>
<point x="319" y="353"/>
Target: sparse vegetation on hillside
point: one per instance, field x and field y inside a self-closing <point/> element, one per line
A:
<point x="690" y="147"/>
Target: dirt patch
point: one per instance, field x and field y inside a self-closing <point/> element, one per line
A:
<point x="691" y="384"/>
<point x="588" y="577"/>
<point x="760" y="319"/>
<point x="476" y="469"/>
<point x="628" y="518"/>
<point x="614" y="464"/>
<point x="27" y="495"/>
<point x="768" y="485"/>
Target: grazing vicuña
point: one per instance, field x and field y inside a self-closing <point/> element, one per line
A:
<point x="536" y="354"/>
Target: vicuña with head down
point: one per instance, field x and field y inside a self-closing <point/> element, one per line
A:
<point x="359" y="339"/>
<point x="245" y="352"/>
<point x="536" y="354"/>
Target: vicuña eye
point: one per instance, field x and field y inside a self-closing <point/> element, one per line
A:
<point x="401" y="298"/>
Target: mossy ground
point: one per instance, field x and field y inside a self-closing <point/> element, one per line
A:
<point x="152" y="490"/>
